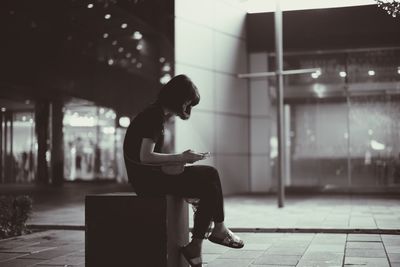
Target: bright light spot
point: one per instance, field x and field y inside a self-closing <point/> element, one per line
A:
<point x="346" y="135"/>
<point x="31" y="121"/>
<point x="162" y="60"/>
<point x="107" y="16"/>
<point x="371" y="72"/>
<point x="138" y="65"/>
<point x="27" y="102"/>
<point x="319" y="89"/>
<point x="101" y="110"/>
<point x="23" y="118"/>
<point x="370" y="132"/>
<point x="314" y="75"/>
<point x="139" y="47"/>
<point x="137" y="35"/>
<point x="124" y="25"/>
<point x="165" y="78"/>
<point x="166" y="67"/>
<point x="342" y="74"/>
<point x="105" y="35"/>
<point x="114" y="42"/>
<point x="3" y="109"/>
<point x="108" y="130"/>
<point x="376" y="145"/>
<point x="121" y="49"/>
<point x="124" y="121"/>
<point x="80" y="121"/>
<point x="273" y="142"/>
<point x="398" y="70"/>
<point x="128" y="55"/>
<point x="258" y="6"/>
<point x="90" y="5"/>
<point x="110" y="62"/>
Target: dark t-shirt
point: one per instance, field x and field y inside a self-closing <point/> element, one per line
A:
<point x="147" y="124"/>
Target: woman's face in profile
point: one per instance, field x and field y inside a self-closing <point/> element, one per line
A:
<point x="186" y="109"/>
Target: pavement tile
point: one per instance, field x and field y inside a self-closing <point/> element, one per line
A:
<point x="256" y="246"/>
<point x="323" y="256"/>
<point x="392" y="249"/>
<point x="376" y="262"/>
<point x="365" y="245"/>
<point x="311" y="263"/>
<point x="368" y="253"/>
<point x="209" y="257"/>
<point x="363" y="237"/>
<point x="211" y="248"/>
<point x="21" y="263"/>
<point x="28" y="249"/>
<point x="65" y="260"/>
<point x="326" y="248"/>
<point x="241" y="254"/>
<point x="230" y="262"/>
<point x="286" y="251"/>
<point x="9" y="256"/>
<point x="267" y="259"/>
<point x="53" y="253"/>
<point x="394" y="257"/>
<point x="5" y="245"/>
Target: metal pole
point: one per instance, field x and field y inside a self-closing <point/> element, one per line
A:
<point x="279" y="103"/>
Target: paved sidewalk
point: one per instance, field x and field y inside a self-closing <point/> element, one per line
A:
<point x="66" y="248"/>
<point x="65" y="206"/>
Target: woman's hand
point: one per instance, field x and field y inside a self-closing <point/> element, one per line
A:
<point x="190" y="156"/>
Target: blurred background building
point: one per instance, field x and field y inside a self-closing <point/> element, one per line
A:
<point x="74" y="72"/>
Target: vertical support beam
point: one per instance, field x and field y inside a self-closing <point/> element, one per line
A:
<point x="42" y="132"/>
<point x="279" y="104"/>
<point x="57" y="144"/>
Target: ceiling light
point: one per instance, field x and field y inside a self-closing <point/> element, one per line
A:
<point x="121" y="49"/>
<point x="90" y="5"/>
<point x="162" y="59"/>
<point x="124" y="25"/>
<point x="110" y="62"/>
<point x="371" y="72"/>
<point x="107" y="16"/>
<point x="105" y="35"/>
<point x="139" y="65"/>
<point x="114" y="42"/>
<point x="314" y="75"/>
<point x="342" y="74"/>
<point x="165" y="78"/>
<point x="124" y="121"/>
<point x="398" y="70"/>
<point x="166" y="67"/>
<point x="137" y="35"/>
<point x="128" y="55"/>
<point x="3" y="109"/>
<point x="139" y="47"/>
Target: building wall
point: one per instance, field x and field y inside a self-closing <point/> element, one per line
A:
<point x="210" y="47"/>
<point x="262" y="127"/>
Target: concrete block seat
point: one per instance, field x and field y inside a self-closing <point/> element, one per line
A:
<point x="123" y="229"/>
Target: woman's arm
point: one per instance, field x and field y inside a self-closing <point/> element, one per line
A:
<point x="148" y="156"/>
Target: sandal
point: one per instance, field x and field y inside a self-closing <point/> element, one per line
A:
<point x="231" y="240"/>
<point x="194" y="262"/>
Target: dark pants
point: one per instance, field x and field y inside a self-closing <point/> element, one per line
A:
<point x="200" y="182"/>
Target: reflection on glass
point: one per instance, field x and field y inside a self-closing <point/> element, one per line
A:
<point x="344" y="122"/>
<point x="89" y="142"/>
